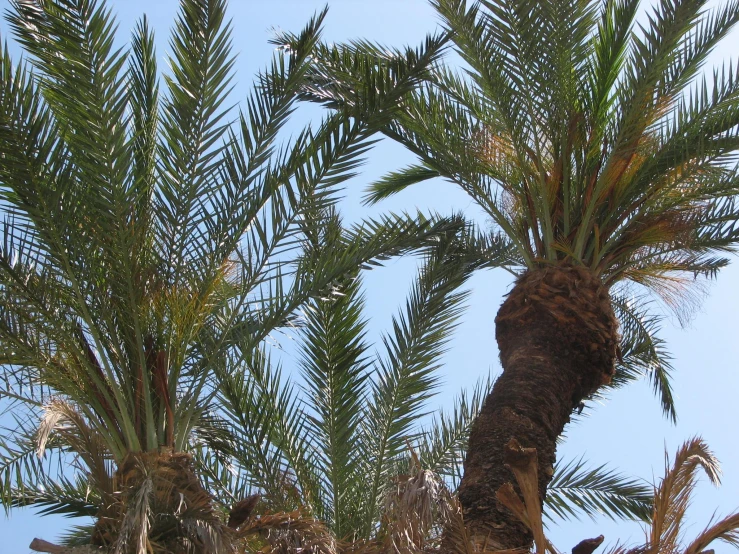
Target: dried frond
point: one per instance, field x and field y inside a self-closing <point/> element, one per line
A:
<point x="241" y="511"/>
<point x="423" y="516"/>
<point x="161" y="506"/>
<point x="63" y="418"/>
<point x="588" y="545"/>
<point x="672" y="497"/>
<point x="136" y="522"/>
<point x="288" y="532"/>
<point x="51" y="418"/>
<point x="726" y="530"/>
<point x="457" y="536"/>
<point x="522" y="462"/>
<point x="410" y="511"/>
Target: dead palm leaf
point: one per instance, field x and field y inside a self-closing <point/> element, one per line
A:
<point x="672" y="499"/>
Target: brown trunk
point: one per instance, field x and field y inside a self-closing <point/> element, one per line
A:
<point x="558" y="338"/>
<point x="176" y="497"/>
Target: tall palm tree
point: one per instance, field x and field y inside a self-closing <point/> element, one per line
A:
<point x="330" y="445"/>
<point x="597" y="149"/>
<point x="152" y="239"/>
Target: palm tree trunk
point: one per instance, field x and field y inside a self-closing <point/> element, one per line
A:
<point x="558" y="343"/>
<point x="162" y="488"/>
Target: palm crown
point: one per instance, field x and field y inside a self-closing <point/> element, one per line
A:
<point x="585" y="137"/>
<point x="604" y="159"/>
<point x="153" y="237"/>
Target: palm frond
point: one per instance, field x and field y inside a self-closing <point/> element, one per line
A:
<point x="63" y="497"/>
<point x="672" y="496"/>
<point x="399" y="180"/>
<point x="576" y="488"/>
<point x="371" y="78"/>
<point x="270" y="442"/>
<point x="727" y="530"/>
<point x="643" y="353"/>
<point x="334" y="368"/>
<point x="614" y="166"/>
<point x="193" y="129"/>
<point x="405" y="377"/>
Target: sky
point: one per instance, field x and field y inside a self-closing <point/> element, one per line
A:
<point x="627" y="431"/>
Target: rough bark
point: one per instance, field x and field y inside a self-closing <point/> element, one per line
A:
<point x="558" y="338"/>
<point x="175" y="495"/>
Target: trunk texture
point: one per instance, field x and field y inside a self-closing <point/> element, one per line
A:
<point x="558" y="340"/>
<point x="161" y="487"/>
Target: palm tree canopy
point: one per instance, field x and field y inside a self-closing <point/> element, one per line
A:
<point x="153" y="236"/>
<point x="586" y="136"/>
<point x="334" y="442"/>
<point x="141" y="225"/>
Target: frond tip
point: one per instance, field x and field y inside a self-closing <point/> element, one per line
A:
<point x="672" y="498"/>
<point x="673" y="495"/>
<point x="575" y="489"/>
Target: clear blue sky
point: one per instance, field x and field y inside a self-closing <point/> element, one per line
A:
<point x="628" y="431"/>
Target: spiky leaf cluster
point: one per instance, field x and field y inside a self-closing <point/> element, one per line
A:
<point x="153" y="235"/>
<point x="587" y="134"/>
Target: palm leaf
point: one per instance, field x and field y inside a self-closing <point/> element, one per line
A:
<point x="643" y="353"/>
<point x="334" y="368"/>
<point x="577" y="489"/>
<point x="672" y="497"/>
<point x="442" y="446"/>
<point x="405" y="375"/>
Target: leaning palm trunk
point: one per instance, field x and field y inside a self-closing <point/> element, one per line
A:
<point x="586" y="139"/>
<point x="558" y="338"/>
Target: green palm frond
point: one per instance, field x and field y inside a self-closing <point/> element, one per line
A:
<point x="194" y="223"/>
<point x="643" y="353"/>
<point x="270" y="444"/>
<point x="586" y="137"/>
<point x="542" y="160"/>
<point x="20" y="466"/>
<point x="578" y="489"/>
<point x="356" y="77"/>
<point x="78" y="535"/>
<point x="443" y="445"/>
<point x="405" y="374"/>
<point x="334" y="368"/>
<point x="193" y="129"/>
<point x="399" y="180"/>
<point x="63" y="497"/>
<point x="36" y="474"/>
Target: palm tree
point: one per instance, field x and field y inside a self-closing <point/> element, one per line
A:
<point x="607" y="162"/>
<point x="152" y="239"/>
<point x="328" y="449"/>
